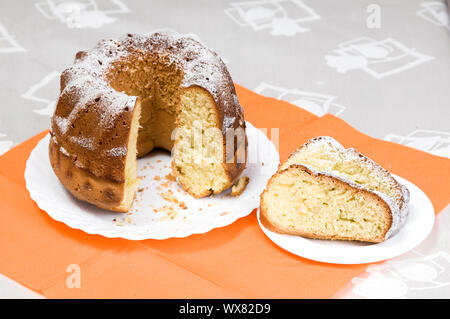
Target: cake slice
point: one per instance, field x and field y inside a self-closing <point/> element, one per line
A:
<point x="325" y="191"/>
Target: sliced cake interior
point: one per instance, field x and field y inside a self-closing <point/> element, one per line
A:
<point x="198" y="155"/>
<point x="131" y="181"/>
<point x="300" y="202"/>
<point x="181" y="120"/>
<point x="325" y="191"/>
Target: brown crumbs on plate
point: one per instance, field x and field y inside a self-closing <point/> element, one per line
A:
<point x="166" y="185"/>
<point x="170" y="197"/>
<point x="183" y="205"/>
<point x="170" y="177"/>
<point x="125" y="220"/>
<point x="171" y="213"/>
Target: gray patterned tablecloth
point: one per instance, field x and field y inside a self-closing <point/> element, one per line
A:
<point x="383" y="66"/>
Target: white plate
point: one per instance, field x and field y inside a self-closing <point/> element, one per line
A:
<point x="142" y="222"/>
<point x="416" y="228"/>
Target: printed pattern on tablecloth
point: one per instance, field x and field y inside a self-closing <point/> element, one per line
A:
<point x="434" y="142"/>
<point x="44" y="93"/>
<point x="316" y="103"/>
<point x="378" y="58"/>
<point x="280" y="17"/>
<point x="5" y="144"/>
<point x="420" y="273"/>
<point x="82" y="13"/>
<point x="8" y="42"/>
<point x="435" y="12"/>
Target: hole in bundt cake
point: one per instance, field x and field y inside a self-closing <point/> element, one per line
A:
<point x="180" y="120"/>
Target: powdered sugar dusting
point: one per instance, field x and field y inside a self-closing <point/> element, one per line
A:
<point x="86" y="89"/>
<point x="342" y="154"/>
<point x="64" y="151"/>
<point x="117" y="151"/>
<point x="229" y="121"/>
<point x="83" y="141"/>
<point x="399" y="209"/>
<point x="62" y="123"/>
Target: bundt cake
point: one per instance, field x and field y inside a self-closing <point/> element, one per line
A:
<point x="325" y="191"/>
<point x="125" y="97"/>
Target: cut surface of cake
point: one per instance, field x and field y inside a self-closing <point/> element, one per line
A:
<point x="240" y="186"/>
<point x="126" y="97"/>
<point x="325" y="191"/>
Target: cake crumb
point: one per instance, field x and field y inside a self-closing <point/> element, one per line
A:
<point x="165" y="184"/>
<point x="129" y="220"/>
<point x="170" y="177"/>
<point x="183" y="205"/>
<point x="170" y="197"/>
<point x="123" y="221"/>
<point x="239" y="187"/>
<point x="224" y="213"/>
<point x="171" y="213"/>
<point x="119" y="223"/>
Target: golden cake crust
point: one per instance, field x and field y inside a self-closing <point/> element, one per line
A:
<point x="91" y="124"/>
<point x="102" y="192"/>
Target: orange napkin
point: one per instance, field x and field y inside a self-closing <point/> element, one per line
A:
<point x="236" y="261"/>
